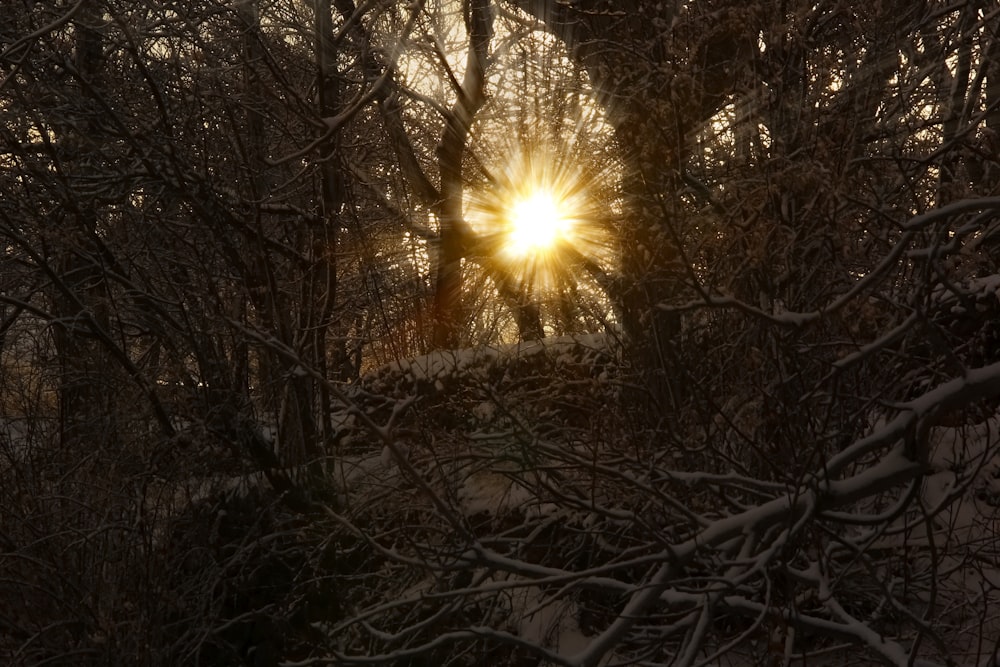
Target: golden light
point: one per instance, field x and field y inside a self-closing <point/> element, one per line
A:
<point x="544" y="215"/>
<point x="539" y="215"/>
<point x="538" y="223"/>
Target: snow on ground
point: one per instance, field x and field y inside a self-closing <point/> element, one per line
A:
<point x="13" y="440"/>
<point x="479" y="363"/>
<point x="964" y="480"/>
<point x="547" y="621"/>
<point x="962" y="493"/>
<point x="492" y="492"/>
<point x="963" y="484"/>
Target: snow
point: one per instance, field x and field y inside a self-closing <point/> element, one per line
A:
<point x="14" y="438"/>
<point x="481" y="478"/>
<point x="980" y="288"/>
<point x="492" y="492"/>
<point x="547" y="620"/>
<point x="977" y="382"/>
<point x="388" y="458"/>
<point x="474" y="363"/>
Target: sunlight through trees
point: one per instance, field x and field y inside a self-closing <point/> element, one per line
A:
<point x="499" y="332"/>
<point x="538" y="223"/>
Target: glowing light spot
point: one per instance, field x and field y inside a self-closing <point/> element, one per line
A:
<point x="537" y="223"/>
<point x="542" y="216"/>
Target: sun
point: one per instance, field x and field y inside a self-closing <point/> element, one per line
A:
<point x="538" y="223"/>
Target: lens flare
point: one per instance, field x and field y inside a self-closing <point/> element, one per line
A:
<point x="538" y="222"/>
<point x="538" y="211"/>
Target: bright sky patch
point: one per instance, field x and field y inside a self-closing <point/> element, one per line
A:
<point x="537" y="224"/>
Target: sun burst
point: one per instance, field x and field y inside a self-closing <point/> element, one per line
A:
<point x="538" y="223"/>
<point x="538" y="216"/>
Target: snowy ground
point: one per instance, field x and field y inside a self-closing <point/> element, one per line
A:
<point x="512" y="486"/>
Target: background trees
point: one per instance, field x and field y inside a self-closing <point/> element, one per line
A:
<point x="232" y="233"/>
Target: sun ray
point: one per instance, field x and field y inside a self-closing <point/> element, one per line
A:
<point x="541" y="213"/>
<point x="538" y="223"/>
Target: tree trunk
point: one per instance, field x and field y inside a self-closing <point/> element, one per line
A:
<point x="448" y="318"/>
<point x="86" y="411"/>
<point x="651" y="104"/>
